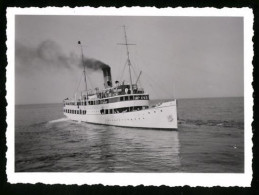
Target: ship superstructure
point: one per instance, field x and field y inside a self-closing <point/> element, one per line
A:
<point x="120" y="104"/>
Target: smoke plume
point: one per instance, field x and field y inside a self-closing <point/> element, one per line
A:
<point x="49" y="55"/>
<point x="95" y="65"/>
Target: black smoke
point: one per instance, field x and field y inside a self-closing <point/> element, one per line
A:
<point x="49" y="55"/>
<point x="94" y="64"/>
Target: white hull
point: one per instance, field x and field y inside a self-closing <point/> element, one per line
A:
<point x="163" y="116"/>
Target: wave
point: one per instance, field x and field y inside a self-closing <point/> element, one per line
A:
<point x="218" y="123"/>
<point x="59" y="120"/>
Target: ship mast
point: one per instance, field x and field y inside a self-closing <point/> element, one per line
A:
<point x="128" y="57"/>
<point x="82" y="53"/>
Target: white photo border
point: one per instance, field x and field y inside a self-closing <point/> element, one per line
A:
<point x="134" y="179"/>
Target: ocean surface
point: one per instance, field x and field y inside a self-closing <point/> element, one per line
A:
<point x="210" y="139"/>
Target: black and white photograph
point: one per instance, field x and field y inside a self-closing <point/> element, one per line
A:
<point x="99" y="93"/>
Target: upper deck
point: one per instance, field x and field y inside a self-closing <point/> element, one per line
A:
<point x="109" y="95"/>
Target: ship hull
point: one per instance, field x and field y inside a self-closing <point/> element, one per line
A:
<point x="162" y="116"/>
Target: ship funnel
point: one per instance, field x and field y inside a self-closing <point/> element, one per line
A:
<point x="107" y="77"/>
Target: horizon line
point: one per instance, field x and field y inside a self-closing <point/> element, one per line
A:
<point x="150" y="99"/>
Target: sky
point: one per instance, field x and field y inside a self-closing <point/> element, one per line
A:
<point x="180" y="57"/>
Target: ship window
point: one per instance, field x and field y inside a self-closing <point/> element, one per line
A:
<point x="121" y="98"/>
<point x="106" y="111"/>
<point x="131" y="97"/>
<point x="111" y="111"/>
<point x="126" y="98"/>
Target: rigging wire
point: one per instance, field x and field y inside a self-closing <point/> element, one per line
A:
<point x="123" y="70"/>
<point x="136" y="75"/>
<point x="151" y="79"/>
<point x="158" y="84"/>
<point x="79" y="83"/>
<point x="89" y="79"/>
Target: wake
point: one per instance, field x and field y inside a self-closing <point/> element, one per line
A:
<point x="58" y="120"/>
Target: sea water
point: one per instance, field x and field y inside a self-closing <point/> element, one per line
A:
<point x="209" y="139"/>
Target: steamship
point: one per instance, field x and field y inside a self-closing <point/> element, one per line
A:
<point x="120" y="104"/>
